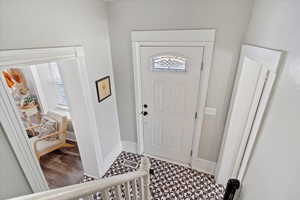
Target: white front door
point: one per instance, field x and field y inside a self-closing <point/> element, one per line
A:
<point x="170" y="78"/>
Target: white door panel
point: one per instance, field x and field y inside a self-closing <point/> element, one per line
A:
<point x="171" y="99"/>
<point x="257" y="72"/>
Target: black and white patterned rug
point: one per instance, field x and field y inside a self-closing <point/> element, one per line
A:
<point x="170" y="181"/>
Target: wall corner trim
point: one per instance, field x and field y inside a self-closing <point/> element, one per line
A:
<point x="111" y="157"/>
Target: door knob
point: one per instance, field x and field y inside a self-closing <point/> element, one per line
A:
<point x="144" y="113"/>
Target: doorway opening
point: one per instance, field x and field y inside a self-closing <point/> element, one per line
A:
<point x="39" y="97"/>
<point x="66" y="66"/>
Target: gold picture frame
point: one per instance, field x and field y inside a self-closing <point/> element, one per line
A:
<point x="103" y="87"/>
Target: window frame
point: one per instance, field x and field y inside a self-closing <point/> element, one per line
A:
<point x="169" y="68"/>
<point x="58" y="82"/>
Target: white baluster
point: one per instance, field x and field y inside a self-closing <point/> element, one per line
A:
<point x="105" y="194"/>
<point x="134" y="189"/>
<point x="141" y="188"/>
<point x="87" y="197"/>
<point x="90" y="197"/>
<point x="145" y="187"/>
<point x="119" y="192"/>
<point x="146" y="182"/>
<point x="127" y="191"/>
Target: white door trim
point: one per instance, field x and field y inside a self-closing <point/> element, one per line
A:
<point x="11" y="121"/>
<point x="187" y="38"/>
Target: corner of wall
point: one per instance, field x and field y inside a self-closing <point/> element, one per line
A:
<point x="129" y="146"/>
<point x="111" y="157"/>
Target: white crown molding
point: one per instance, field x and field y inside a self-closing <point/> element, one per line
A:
<point x="204" y="35"/>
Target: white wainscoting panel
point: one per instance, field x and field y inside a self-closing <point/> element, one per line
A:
<point x="210" y="111"/>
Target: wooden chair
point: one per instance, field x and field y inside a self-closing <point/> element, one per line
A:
<point x="28" y="112"/>
<point x="42" y="145"/>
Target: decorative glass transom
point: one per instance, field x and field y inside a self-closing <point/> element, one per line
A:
<point x="169" y="63"/>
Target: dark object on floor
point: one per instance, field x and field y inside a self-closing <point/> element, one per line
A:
<point x="151" y="172"/>
<point x="62" y="168"/>
<point x="232" y="186"/>
<point x="171" y="181"/>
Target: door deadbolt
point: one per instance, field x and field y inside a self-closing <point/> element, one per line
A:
<point x="144" y="113"/>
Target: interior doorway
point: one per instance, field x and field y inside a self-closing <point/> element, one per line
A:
<point x="26" y="104"/>
<point x="40" y="100"/>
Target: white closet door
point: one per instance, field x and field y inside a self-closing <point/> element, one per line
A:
<point x="245" y="94"/>
<point x="256" y="97"/>
<point x="258" y="68"/>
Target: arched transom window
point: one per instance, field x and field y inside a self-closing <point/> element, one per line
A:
<point x="169" y="63"/>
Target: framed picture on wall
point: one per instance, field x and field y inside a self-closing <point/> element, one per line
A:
<point x="103" y="88"/>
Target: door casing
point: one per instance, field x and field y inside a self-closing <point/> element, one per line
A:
<point x="186" y="38"/>
<point x="11" y="122"/>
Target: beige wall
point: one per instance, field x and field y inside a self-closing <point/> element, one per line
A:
<point x="230" y="18"/>
<point x="54" y="23"/>
<point x="13" y="182"/>
<point x="273" y="172"/>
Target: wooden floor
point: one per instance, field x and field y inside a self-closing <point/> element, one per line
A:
<point x="62" y="167"/>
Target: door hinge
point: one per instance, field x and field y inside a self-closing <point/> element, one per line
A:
<point x="202" y="65"/>
<point x="191" y="153"/>
<point x="196" y="115"/>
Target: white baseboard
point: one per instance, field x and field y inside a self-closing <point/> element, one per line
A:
<point x="129" y="146"/>
<point x="204" y="166"/>
<point x="198" y="164"/>
<point x="94" y="177"/>
<point x="167" y="160"/>
<point x="71" y="136"/>
<point x="111" y="157"/>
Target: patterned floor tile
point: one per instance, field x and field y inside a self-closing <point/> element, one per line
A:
<point x="170" y="181"/>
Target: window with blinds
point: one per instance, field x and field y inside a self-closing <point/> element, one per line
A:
<point x="61" y="98"/>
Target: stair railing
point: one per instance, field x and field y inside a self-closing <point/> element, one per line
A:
<point x="129" y="186"/>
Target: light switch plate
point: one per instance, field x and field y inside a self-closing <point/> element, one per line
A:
<point x="210" y="111"/>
